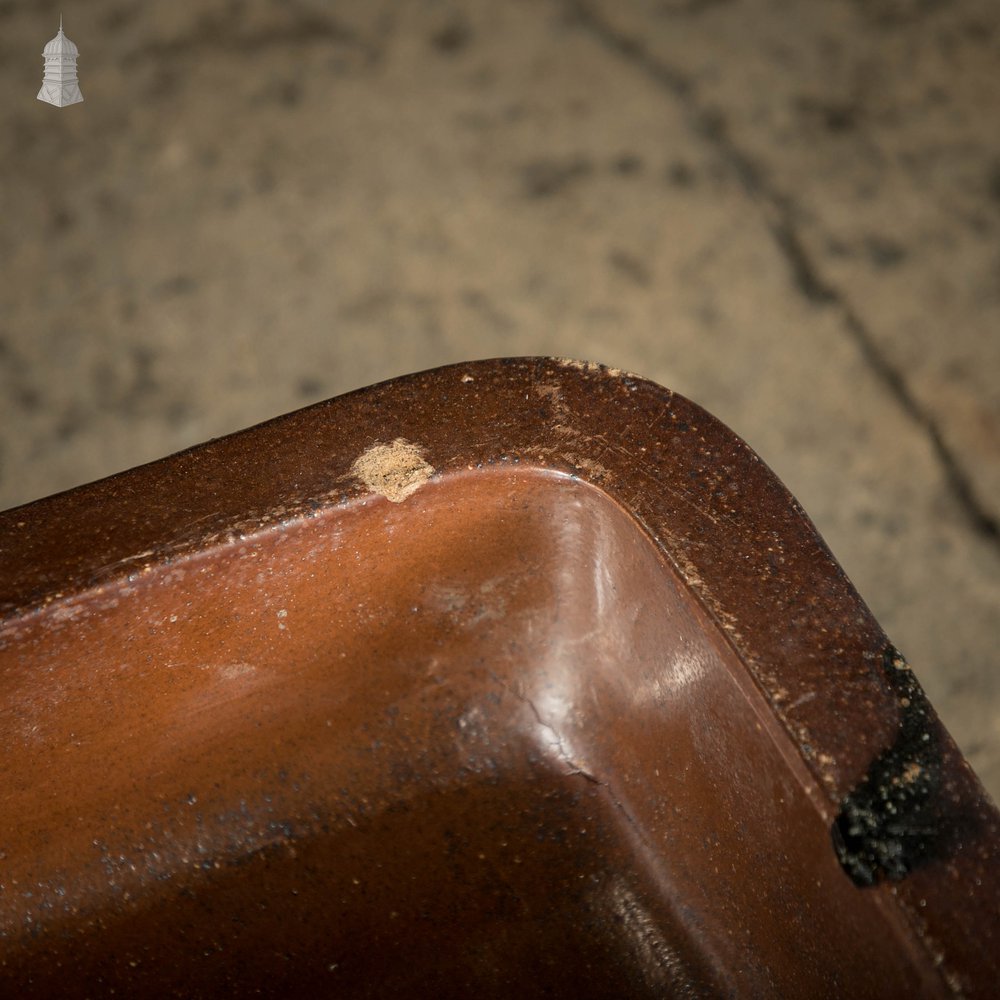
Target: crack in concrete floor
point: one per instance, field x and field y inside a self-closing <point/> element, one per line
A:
<point x="780" y="213"/>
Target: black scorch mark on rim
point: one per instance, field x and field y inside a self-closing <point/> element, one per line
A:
<point x="891" y="822"/>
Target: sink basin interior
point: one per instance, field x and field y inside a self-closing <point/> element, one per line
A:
<point x="479" y="743"/>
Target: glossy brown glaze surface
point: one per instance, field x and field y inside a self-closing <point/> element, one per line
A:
<point x="576" y="715"/>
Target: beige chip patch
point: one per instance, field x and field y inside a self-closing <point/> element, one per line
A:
<point x="394" y="471"/>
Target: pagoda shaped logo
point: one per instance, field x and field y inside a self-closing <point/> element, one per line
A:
<point x="60" y="85"/>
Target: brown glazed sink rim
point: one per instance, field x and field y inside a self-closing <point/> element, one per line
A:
<point x="838" y="702"/>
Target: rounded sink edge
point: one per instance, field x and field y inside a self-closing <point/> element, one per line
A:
<point x="736" y="537"/>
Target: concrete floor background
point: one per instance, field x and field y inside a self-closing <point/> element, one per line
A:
<point x="789" y="212"/>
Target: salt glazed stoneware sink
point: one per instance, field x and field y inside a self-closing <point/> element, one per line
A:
<point x="517" y="678"/>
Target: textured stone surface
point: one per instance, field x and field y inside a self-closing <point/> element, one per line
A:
<point x="790" y="215"/>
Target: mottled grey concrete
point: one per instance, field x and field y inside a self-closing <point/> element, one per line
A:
<point x="788" y="212"/>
